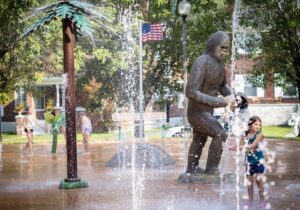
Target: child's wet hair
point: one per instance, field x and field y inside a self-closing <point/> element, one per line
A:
<point x="253" y="119"/>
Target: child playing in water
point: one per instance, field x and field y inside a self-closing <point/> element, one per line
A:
<point x="62" y="124"/>
<point x="62" y="121"/>
<point x="28" y="122"/>
<point x="86" y="129"/>
<point x="254" y="158"/>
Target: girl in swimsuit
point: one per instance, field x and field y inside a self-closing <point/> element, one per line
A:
<point x="86" y="129"/>
<point x="28" y="122"/>
<point x="254" y="159"/>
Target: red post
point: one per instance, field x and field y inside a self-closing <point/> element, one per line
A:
<point x="68" y="40"/>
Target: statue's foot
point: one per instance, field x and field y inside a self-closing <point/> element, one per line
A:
<point x="191" y="175"/>
<point x="188" y="177"/>
<point x="212" y="171"/>
<point x="198" y="178"/>
<point x="184" y="178"/>
<point x="196" y="170"/>
<point x="206" y="178"/>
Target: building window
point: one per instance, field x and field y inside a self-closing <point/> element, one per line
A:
<point x="249" y="89"/>
<point x="40" y="99"/>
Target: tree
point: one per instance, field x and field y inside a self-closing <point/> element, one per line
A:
<point x="275" y="45"/>
<point x="23" y="61"/>
<point x="13" y="59"/>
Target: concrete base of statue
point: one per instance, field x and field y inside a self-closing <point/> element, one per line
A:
<point x="205" y="178"/>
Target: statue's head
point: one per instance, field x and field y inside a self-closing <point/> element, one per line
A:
<point x="218" y="45"/>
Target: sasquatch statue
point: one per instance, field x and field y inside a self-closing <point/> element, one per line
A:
<point x="207" y="89"/>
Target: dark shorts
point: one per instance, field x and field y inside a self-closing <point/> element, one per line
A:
<point x="28" y="130"/>
<point x="254" y="169"/>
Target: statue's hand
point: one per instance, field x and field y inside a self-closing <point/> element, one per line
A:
<point x="222" y="102"/>
<point x="229" y="98"/>
<point x="231" y="101"/>
<point x="232" y="106"/>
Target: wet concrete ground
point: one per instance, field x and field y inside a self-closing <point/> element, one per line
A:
<point x="30" y="182"/>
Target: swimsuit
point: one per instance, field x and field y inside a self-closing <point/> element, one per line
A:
<point x="28" y="130"/>
<point x="88" y="130"/>
<point x="87" y="126"/>
<point x="253" y="159"/>
<point x="29" y="123"/>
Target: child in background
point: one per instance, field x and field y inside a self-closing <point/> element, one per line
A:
<point x="254" y="159"/>
<point x="28" y="122"/>
<point x="62" y="122"/>
<point x="62" y="125"/>
<point x="86" y="129"/>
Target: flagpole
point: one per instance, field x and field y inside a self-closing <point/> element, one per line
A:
<point x="141" y="130"/>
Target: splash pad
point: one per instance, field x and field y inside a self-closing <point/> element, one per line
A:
<point x="31" y="181"/>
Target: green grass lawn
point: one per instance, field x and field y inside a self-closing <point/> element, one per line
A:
<point x="274" y="132"/>
<point x="47" y="138"/>
<point x="279" y="132"/>
<point x="9" y="138"/>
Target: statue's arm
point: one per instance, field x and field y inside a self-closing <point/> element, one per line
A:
<point x="225" y="90"/>
<point x="195" y="84"/>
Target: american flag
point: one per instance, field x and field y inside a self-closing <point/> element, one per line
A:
<point x="152" y="32"/>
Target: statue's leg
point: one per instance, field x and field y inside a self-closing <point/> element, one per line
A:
<point x="204" y="124"/>
<point x="195" y="151"/>
<point x="215" y="152"/>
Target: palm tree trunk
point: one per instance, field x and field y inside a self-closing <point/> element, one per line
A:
<point x="68" y="44"/>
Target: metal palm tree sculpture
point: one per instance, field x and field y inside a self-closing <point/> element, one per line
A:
<point x="75" y="17"/>
<point x="78" y="12"/>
